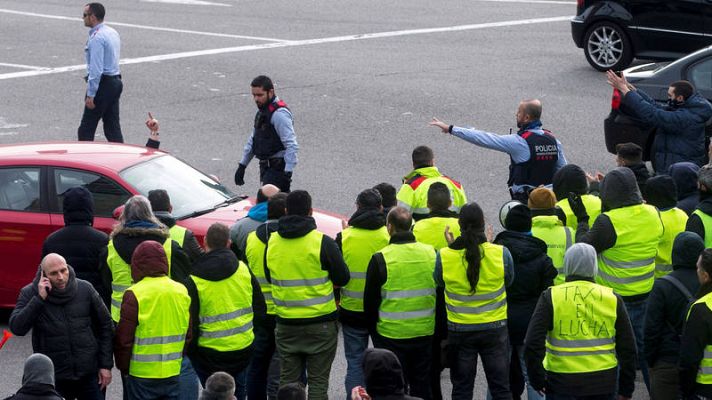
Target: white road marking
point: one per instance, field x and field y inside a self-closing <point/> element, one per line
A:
<point x="295" y="43"/>
<point x="23" y="66"/>
<point x="189" y="2"/>
<point x="6" y="125"/>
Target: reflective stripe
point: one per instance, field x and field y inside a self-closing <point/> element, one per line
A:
<point x="115" y="303"/>
<point x="300" y="282"/>
<point x="580" y="353"/>
<point x="119" y="288"/>
<point x="476" y="297"/>
<point x="476" y="310"/>
<point x="560" y="270"/>
<point x="705" y="370"/>
<point x="157" y="357"/>
<point x="226" y="316"/>
<point x="568" y="239"/>
<point x="572" y="344"/>
<point x="406" y="294"/>
<point x="708" y="354"/>
<point x="226" y="332"/>
<point x="357" y="275"/>
<point x="407" y="314"/>
<point x="309" y="302"/>
<point x="159" y="340"/>
<point x="663" y="267"/>
<point x="268" y="296"/>
<point x="631" y="279"/>
<point x="424" y="210"/>
<point x="262" y="280"/>
<point x="627" y="264"/>
<point x="352" y="293"/>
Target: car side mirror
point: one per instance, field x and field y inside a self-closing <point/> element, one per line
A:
<point x="117" y="212"/>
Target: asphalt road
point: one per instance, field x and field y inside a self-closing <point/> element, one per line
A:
<point x="361" y="78"/>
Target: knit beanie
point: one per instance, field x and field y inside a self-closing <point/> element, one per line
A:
<point x="219" y="386"/>
<point x="686" y="249"/>
<point x="542" y="198"/>
<point x="519" y="219"/>
<point x="38" y="369"/>
<point x="660" y="191"/>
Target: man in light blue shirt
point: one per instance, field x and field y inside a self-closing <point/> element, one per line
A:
<point x="534" y="152"/>
<point x="103" y="78"/>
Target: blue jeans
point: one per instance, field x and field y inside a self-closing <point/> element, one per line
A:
<point x="188" y="381"/>
<point x="240" y="381"/>
<point x="355" y="343"/>
<point x="636" y="313"/>
<point x="152" y="389"/>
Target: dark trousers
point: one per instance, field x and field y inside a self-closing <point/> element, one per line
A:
<point x="263" y="349"/>
<point x="415" y="356"/>
<point x="272" y="172"/>
<point x="554" y="396"/>
<point x="152" y="389"/>
<point x="106" y="108"/>
<point x="492" y="346"/>
<point x="664" y="381"/>
<point x="86" y="388"/>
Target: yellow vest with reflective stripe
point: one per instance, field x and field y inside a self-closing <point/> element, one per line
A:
<point x="704" y="371"/>
<point x="558" y="239"/>
<point x="358" y="246"/>
<point x="629" y="267"/>
<point x="255" y="254"/>
<point x="707" y="223"/>
<point x="163" y="312"/>
<point x="415" y="197"/>
<point x="674" y="221"/>
<point x="178" y="234"/>
<point x="408" y="297"/>
<point x="488" y="303"/>
<point x="590" y="202"/>
<point x="121" y="275"/>
<point x="584" y="334"/>
<point x="300" y="288"/>
<point x="226" y="311"/>
<point x="432" y="231"/>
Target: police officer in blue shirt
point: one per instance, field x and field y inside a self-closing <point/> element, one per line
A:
<point x="273" y="140"/>
<point x="103" y="78"/>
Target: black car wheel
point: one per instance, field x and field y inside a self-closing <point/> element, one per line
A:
<point x="607" y="47"/>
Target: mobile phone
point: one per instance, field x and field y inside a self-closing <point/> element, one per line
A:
<point x="619" y="73"/>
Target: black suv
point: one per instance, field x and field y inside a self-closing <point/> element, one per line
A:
<point x="613" y="32"/>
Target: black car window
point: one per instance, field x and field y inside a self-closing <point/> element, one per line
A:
<point x="20" y="189"/>
<point x="107" y="194"/>
<point x="700" y="75"/>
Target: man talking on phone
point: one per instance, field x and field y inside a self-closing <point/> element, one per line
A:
<point x="71" y="325"/>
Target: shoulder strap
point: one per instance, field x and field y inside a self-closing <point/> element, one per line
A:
<point x="676" y="282"/>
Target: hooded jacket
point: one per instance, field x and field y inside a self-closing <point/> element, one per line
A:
<point x="641" y="174"/>
<point x="190" y="245"/>
<point x="148" y="261"/>
<point x="72" y="327"/>
<point x="685" y="176"/>
<point x="680" y="131"/>
<point x="383" y="375"/>
<point x="694" y="223"/>
<point x="37" y="380"/>
<point x="79" y="243"/>
<point x="244" y="226"/>
<point x="215" y="266"/>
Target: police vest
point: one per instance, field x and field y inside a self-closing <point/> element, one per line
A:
<point x="300" y="287"/>
<point x="163" y="312"/>
<point x="704" y="371"/>
<point x="541" y="166"/>
<point x="121" y="275"/>
<point x="408" y="296"/>
<point x="590" y="202"/>
<point x="432" y="230"/>
<point x="707" y="223"/>
<point x="584" y="335"/>
<point x="413" y="195"/>
<point x="558" y="239"/>
<point x="265" y="139"/>
<point x="225" y="314"/>
<point x="255" y="254"/>
<point x="674" y="221"/>
<point x="358" y="246"/>
<point x="178" y="234"/>
<point x="629" y="267"/>
<point x="488" y="302"/>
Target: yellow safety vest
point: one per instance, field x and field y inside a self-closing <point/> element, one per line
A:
<point x="178" y="234"/>
<point x="300" y="288"/>
<point x="488" y="303"/>
<point x="704" y="371"/>
<point x="584" y="334"/>
<point x="255" y="254"/>
<point x="121" y="275"/>
<point x="432" y="230"/>
<point x="558" y="239"/>
<point x="629" y="267"/>
<point x="408" y="296"/>
<point x="674" y="221"/>
<point x="163" y="312"/>
<point x="358" y="246"/>
<point x="707" y="223"/>
<point x="413" y="195"/>
<point x="226" y="311"/>
<point x="590" y="202"/>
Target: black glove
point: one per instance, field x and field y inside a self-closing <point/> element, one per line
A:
<point x="240" y="175"/>
<point x="577" y="207"/>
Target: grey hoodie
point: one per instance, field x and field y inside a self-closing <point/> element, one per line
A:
<point x="581" y="260"/>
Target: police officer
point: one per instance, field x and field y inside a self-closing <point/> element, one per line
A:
<point x="535" y="153"/>
<point x="547" y="226"/>
<point x="580" y="343"/>
<point x="273" y="140"/>
<point x="431" y="229"/>
<point x="162" y="208"/>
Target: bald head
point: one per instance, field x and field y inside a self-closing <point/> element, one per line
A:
<point x="528" y="111"/>
<point x="54" y="267"/>
<point x="398" y="220"/>
<point x="266" y="192"/>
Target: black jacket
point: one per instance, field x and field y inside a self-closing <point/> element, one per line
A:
<point x="36" y="391"/>
<point x="533" y="273"/>
<point x="383" y="376"/>
<point x="694" y="223"/>
<point x="216" y="266"/>
<point x="296" y="226"/>
<point x="580" y="384"/>
<point x="685" y="176"/>
<point x="695" y="337"/>
<point x="642" y="174"/>
<point x="72" y="327"/>
<point x="190" y="245"/>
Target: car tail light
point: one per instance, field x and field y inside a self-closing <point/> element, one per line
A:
<point x="616" y="100"/>
<point x="579" y="6"/>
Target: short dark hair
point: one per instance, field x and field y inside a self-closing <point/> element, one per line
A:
<point x="369" y="198"/>
<point x="400" y="219"/>
<point x="292" y="391"/>
<point x="299" y="202"/>
<point x="97" y="10"/>
<point x="422" y="156"/>
<point x="276" y="206"/>
<point x="438" y="197"/>
<point x="218" y="235"/>
<point x="630" y="152"/>
<point x="263" y="82"/>
<point x="160" y="201"/>
<point x="682" y="88"/>
<point x="532" y="108"/>
<point x="388" y="194"/>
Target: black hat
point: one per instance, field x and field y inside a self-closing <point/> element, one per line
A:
<point x="519" y="219"/>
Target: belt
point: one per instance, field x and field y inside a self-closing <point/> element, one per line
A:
<point x="111" y="77"/>
<point x="270" y="162"/>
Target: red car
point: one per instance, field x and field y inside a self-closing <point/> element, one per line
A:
<point x="34" y="176"/>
